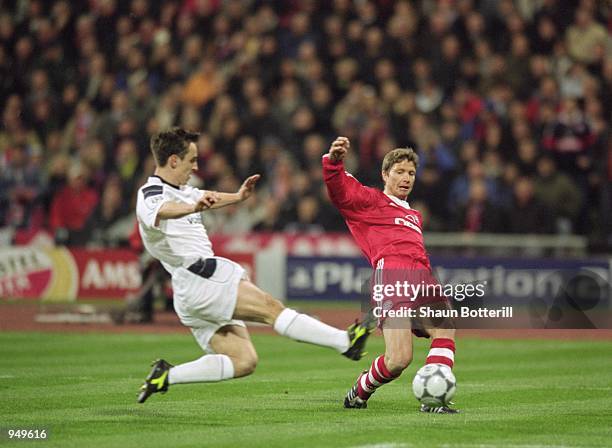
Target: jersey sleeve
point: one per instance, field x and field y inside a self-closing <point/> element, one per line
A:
<point x="150" y="199"/>
<point x="344" y="190"/>
<point x="195" y="193"/>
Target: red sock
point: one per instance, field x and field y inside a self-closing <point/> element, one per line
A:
<point x="376" y="376"/>
<point x="442" y="351"/>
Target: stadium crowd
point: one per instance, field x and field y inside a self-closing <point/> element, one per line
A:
<point x="507" y="102"/>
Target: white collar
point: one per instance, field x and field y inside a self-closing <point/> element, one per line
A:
<point x="399" y="201"/>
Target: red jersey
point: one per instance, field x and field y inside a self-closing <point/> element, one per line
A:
<point x="383" y="226"/>
<point x="70" y="208"/>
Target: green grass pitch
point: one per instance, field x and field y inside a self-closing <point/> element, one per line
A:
<point x="516" y="393"/>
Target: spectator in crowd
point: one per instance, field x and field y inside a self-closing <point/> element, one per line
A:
<point x="586" y="38"/>
<point x="478" y="214"/>
<point x="527" y="214"/>
<point x="71" y="207"/>
<point x="460" y="188"/>
<point x="307" y="214"/>
<point x="20" y="188"/>
<point x="558" y="193"/>
<point x="105" y="219"/>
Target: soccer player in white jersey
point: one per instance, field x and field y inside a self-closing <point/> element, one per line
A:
<point x="213" y="295"/>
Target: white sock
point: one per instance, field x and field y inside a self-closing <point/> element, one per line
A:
<point x="304" y="328"/>
<point x="208" y="368"/>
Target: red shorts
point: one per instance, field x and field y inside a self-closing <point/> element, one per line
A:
<point x="404" y="284"/>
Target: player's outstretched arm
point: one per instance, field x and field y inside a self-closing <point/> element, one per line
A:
<point x="175" y="210"/>
<point x="244" y="192"/>
<point x="338" y="149"/>
<point x="344" y="190"/>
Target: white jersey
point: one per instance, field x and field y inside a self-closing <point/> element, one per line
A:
<point x="174" y="242"/>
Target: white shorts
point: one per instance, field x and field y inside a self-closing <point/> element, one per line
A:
<point x="207" y="304"/>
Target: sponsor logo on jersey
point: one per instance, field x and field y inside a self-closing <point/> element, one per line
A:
<point x="413" y="218"/>
<point x="195" y="218"/>
<point x="408" y="223"/>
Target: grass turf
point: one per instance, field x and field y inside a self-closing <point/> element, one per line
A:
<point x="82" y="388"/>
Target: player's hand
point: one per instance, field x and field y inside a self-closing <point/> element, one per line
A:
<point x="206" y="201"/>
<point x="248" y="187"/>
<point x="338" y="149"/>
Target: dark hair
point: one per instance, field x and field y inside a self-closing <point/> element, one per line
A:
<point x="399" y="155"/>
<point x="167" y="143"/>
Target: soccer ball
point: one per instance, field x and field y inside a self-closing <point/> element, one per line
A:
<point x="434" y="385"/>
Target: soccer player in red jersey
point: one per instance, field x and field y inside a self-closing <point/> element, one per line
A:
<point x="389" y="233"/>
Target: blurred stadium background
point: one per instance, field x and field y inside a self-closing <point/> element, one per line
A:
<point x="508" y="103"/>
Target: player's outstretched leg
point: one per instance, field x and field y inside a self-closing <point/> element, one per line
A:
<point x="208" y="368"/>
<point x="385" y="368"/>
<point x="234" y="357"/>
<point x="442" y="351"/>
<point x="253" y="304"/>
<point x="358" y="334"/>
<point x="367" y="383"/>
<point x="157" y="381"/>
<point x="352" y="399"/>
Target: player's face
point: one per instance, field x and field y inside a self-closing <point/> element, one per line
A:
<point x="400" y="179"/>
<point x="185" y="166"/>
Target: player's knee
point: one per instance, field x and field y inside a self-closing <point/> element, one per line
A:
<point x="250" y="364"/>
<point x="245" y="364"/>
<point x="273" y="308"/>
<point x="396" y="363"/>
